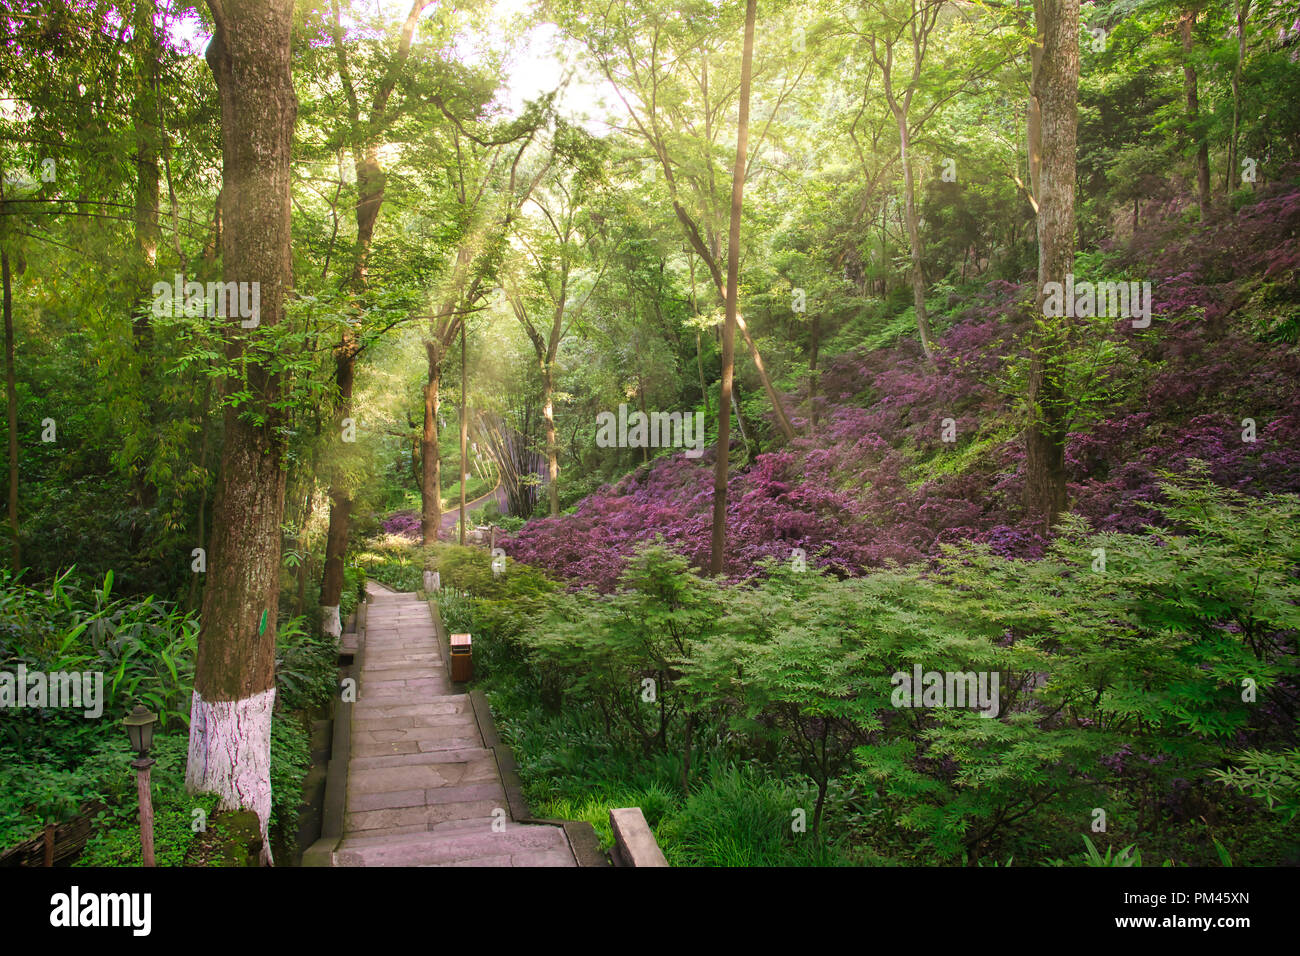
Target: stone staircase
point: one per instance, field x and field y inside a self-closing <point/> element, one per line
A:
<point x="424" y="789"/>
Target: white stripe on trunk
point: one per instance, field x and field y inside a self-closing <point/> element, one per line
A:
<point x="230" y="755"/>
<point x="329" y="621"/>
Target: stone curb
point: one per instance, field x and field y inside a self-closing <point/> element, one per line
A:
<point x="321" y="853"/>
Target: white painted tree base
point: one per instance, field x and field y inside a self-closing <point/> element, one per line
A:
<point x="330" y="623"/>
<point x="230" y="755"/>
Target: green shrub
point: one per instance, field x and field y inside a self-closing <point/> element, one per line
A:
<point x="1119" y="688"/>
<point x="354" y="589"/>
<point x="290" y="761"/>
<point x="306" y="666"/>
<point x="394" y="562"/>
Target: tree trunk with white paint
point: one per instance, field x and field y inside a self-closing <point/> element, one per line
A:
<point x="330" y="622"/>
<point x="234" y="676"/>
<point x="234" y="754"/>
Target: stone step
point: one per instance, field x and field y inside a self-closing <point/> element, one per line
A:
<point x="428" y="815"/>
<point x="370" y="710"/>
<point x="468" y="755"/>
<point x="412" y="721"/>
<point x="362" y="747"/>
<point x="424" y="776"/>
<point x="361" y="801"/>
<point x="479" y="845"/>
<point x="387" y="837"/>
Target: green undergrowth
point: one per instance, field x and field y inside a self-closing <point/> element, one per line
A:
<point x="960" y="456"/>
<point x="57" y="762"/>
<point x="777" y="694"/>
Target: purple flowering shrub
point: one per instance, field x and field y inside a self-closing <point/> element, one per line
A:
<point x="871" y="485"/>
<point x="404" y="523"/>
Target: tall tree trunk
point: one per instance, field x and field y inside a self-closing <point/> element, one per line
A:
<point x="234" y="674"/>
<point x="11" y="395"/>
<point x="431" y="483"/>
<point x="1242" y="11"/>
<point x="718" y="545"/>
<point x="371" y="181"/>
<point x="914" y="238"/>
<point x="699" y="353"/>
<point x="336" y="539"/>
<point x="552" y="445"/>
<point x="1193" y="116"/>
<point x="1053" y="117"/>
<point x="464" y="432"/>
<point x="144" y="116"/>
<point x="813" y="377"/>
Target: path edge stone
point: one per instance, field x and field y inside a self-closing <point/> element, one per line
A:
<point x="321" y="853"/>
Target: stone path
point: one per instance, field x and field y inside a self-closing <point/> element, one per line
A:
<point x="449" y="518"/>
<point x="423" y="789"/>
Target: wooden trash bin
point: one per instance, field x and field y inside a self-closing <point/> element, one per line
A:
<point x="462" y="658"/>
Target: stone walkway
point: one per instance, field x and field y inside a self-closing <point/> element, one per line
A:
<point x="423" y="789"/>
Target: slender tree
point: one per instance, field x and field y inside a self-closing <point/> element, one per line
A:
<point x="1053" y="126"/>
<point x="1241" y="11"/>
<point x="464" y="428"/>
<point x="910" y="27"/>
<point x="555" y="254"/>
<point x="1186" y="24"/>
<point x="365" y="138"/>
<point x="488" y="207"/>
<point x="11" y="401"/>
<point x="644" y="59"/>
<point x="719" y="543"/>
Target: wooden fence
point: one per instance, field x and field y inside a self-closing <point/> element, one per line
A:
<point x="69" y="840"/>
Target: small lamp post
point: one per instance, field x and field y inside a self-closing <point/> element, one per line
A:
<point x="139" y="727"/>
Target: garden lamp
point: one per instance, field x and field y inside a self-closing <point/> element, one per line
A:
<point x="139" y="727"/>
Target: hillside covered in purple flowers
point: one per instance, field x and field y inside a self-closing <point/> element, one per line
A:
<point x="1214" y="377"/>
